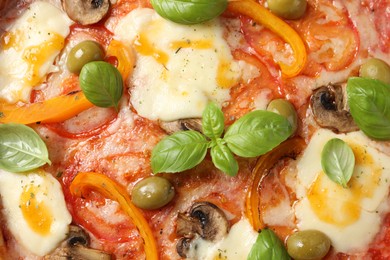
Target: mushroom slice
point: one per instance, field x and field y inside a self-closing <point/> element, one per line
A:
<point x="183" y="246"/>
<point x="86" y="11"/>
<point x="182" y="124"/>
<point x="329" y="108"/>
<point x="75" y="247"/>
<point x="205" y="220"/>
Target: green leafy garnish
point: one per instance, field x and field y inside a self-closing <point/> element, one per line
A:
<point x="179" y="152"/>
<point x="257" y="133"/>
<point x="254" y="134"/>
<point x="213" y="121"/>
<point x="338" y="161"/>
<point x="101" y="83"/>
<point x="369" y="103"/>
<point x="21" y="148"/>
<point x="189" y="11"/>
<point x="268" y="246"/>
<point x="223" y="158"/>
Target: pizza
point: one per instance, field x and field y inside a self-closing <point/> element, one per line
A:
<point x="165" y="129"/>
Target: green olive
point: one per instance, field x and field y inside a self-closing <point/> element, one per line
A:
<point x="286" y="109"/>
<point x="288" y="9"/>
<point x="375" y="69"/>
<point x="83" y="53"/>
<point x="308" y="244"/>
<point x="152" y="193"/>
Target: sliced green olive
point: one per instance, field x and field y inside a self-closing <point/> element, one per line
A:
<point x="375" y="69"/>
<point x="286" y="109"/>
<point x="308" y="244"/>
<point x="152" y="193"/>
<point x="83" y="53"/>
<point x="288" y="9"/>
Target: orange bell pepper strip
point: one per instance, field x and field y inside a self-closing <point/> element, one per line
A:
<point x="57" y="109"/>
<point x="124" y="55"/>
<point x="91" y="181"/>
<point x="262" y="16"/>
<point x="290" y="148"/>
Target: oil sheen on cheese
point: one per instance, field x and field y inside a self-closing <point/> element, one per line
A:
<point x="29" y="48"/>
<point x="34" y="209"/>
<point x="352" y="216"/>
<point x="179" y="68"/>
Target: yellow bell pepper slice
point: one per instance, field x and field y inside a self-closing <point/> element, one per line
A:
<point x="290" y="148"/>
<point x="86" y="181"/>
<point x="262" y="16"/>
<point x="124" y="55"/>
<point x="57" y="109"/>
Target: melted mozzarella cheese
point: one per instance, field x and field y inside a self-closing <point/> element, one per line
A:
<point x="179" y="69"/>
<point x="29" y="48"/>
<point x="236" y="245"/>
<point x="34" y="209"/>
<point x="349" y="216"/>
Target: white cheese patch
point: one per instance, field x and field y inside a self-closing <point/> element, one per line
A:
<point x="29" y="48"/>
<point x="351" y="216"/>
<point x="262" y="100"/>
<point x="179" y="68"/>
<point x="34" y="209"/>
<point x="236" y="245"/>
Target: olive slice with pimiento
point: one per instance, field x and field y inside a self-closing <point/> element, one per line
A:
<point x="86" y="12"/>
<point x="308" y="245"/>
<point x="83" y="53"/>
<point x="152" y="193"/>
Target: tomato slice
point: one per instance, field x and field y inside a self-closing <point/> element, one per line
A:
<point x="381" y="8"/>
<point x="330" y="36"/>
<point x="320" y="30"/>
<point x="81" y="126"/>
<point x="244" y="96"/>
<point x="89" y="214"/>
<point x="269" y="47"/>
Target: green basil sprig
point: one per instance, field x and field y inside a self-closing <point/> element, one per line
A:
<point x="338" y="161"/>
<point x="21" y="148"/>
<point x="369" y="103"/>
<point x="189" y="11"/>
<point x="223" y="158"/>
<point x="257" y="133"/>
<point x="101" y="83"/>
<point x="252" y="135"/>
<point x="179" y="152"/>
<point x="268" y="246"/>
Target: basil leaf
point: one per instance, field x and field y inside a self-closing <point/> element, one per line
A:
<point x="213" y="121"/>
<point x="179" y="151"/>
<point x="189" y="11"/>
<point x="338" y="161"/>
<point x="369" y="103"/>
<point x="101" y="83"/>
<point x="21" y="148"/>
<point x="223" y="158"/>
<point x="268" y="246"/>
<point x="257" y="133"/>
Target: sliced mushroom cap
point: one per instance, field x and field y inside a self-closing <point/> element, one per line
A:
<point x="183" y="246"/>
<point x="182" y="124"/>
<point x="86" y="11"/>
<point x="205" y="220"/>
<point x="75" y="247"/>
<point x="329" y="107"/>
